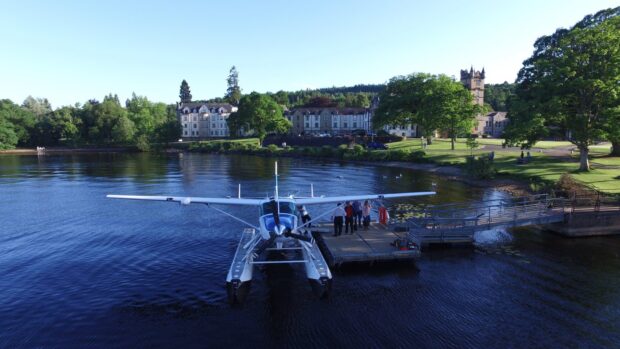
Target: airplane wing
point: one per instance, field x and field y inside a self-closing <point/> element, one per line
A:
<point x="324" y="200"/>
<point x="185" y="200"/>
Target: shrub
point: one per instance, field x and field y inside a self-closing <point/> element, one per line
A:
<point x="567" y="186"/>
<point x="377" y="155"/>
<point x="358" y="150"/>
<point x="417" y="156"/>
<point x="397" y="155"/>
<point x="480" y="167"/>
<point x="327" y="151"/>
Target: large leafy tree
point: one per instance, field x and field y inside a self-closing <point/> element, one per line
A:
<point x="22" y="120"/>
<point x="496" y="95"/>
<point x="170" y="129"/>
<point x="233" y="92"/>
<point x="184" y="92"/>
<point x="59" y="126"/>
<point x="455" y="107"/>
<point x="37" y="106"/>
<point x="570" y="83"/>
<point x="281" y="97"/>
<point x="432" y="102"/>
<point x="259" y="113"/>
<point x="612" y="117"/>
<point x="111" y="123"/>
<point x="8" y="138"/>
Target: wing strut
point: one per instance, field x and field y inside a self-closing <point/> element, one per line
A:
<point x="233" y="217"/>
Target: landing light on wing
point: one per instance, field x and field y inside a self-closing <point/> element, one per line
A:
<point x="186" y="201"/>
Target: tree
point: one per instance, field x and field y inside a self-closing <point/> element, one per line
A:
<point x="259" y="113"/>
<point x="571" y="83"/>
<point x="360" y="100"/>
<point x="320" y="102"/>
<point x="613" y="128"/>
<point x="433" y="102"/>
<point x="170" y="129"/>
<point x="454" y="106"/>
<point x="472" y="144"/>
<point x="37" y="106"/>
<point x="184" y="93"/>
<point x="23" y="121"/>
<point x="281" y="97"/>
<point x="56" y="127"/>
<point x="496" y="95"/>
<point x="8" y="138"/>
<point x="233" y="92"/>
<point x="111" y="123"/>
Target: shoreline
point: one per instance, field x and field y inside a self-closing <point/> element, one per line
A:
<point x="513" y="186"/>
<point x="85" y="150"/>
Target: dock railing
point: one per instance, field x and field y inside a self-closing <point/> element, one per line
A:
<point x="460" y="220"/>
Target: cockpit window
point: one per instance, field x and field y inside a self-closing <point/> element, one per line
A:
<point x="285" y="207"/>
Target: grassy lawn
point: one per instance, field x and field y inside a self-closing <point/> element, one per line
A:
<point x="484" y="141"/>
<point x="542" y="166"/>
<point x="552" y="144"/>
<point x="416" y="144"/>
<point x="240" y="141"/>
<point x="443" y="143"/>
<point x="600" y="149"/>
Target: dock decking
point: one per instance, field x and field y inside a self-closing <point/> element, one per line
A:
<point x="369" y="245"/>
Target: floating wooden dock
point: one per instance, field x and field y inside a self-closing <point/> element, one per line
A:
<point x="374" y="244"/>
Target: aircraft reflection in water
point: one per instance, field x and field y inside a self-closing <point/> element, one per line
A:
<point x="278" y="230"/>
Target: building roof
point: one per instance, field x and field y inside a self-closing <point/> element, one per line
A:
<point x="197" y="105"/>
<point x="497" y="113"/>
<point x="332" y="110"/>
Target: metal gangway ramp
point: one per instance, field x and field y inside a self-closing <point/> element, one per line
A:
<point x="458" y="222"/>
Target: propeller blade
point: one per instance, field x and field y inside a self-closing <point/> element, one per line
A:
<point x="274" y="210"/>
<point x="290" y="234"/>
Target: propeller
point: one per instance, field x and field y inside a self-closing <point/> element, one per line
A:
<point x="283" y="230"/>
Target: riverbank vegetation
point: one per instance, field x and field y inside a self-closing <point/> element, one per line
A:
<point x="541" y="169"/>
<point x="139" y="123"/>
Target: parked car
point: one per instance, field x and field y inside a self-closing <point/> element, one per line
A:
<point x="376" y="145"/>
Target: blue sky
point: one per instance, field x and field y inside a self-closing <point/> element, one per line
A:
<point x="71" y="51"/>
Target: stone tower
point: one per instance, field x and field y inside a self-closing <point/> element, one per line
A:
<point x="474" y="81"/>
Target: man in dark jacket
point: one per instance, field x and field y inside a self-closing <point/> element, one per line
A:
<point x="348" y="219"/>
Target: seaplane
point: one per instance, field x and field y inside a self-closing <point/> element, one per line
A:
<point x="279" y="229"/>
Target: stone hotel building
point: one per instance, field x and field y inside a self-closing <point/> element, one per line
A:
<point x="329" y="120"/>
<point x="204" y="120"/>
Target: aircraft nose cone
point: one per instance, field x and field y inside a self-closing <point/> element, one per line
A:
<point x="280" y="229"/>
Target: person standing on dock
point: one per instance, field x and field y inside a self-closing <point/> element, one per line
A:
<point x="348" y="219"/>
<point x="357" y="214"/>
<point x="305" y="216"/>
<point x="384" y="216"/>
<point x="338" y="218"/>
<point x="366" y="209"/>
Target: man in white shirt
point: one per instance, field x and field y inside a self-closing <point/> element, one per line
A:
<point x="338" y="217"/>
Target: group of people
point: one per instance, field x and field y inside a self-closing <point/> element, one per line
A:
<point x="352" y="216"/>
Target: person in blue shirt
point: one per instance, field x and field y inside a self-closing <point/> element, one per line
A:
<point x="357" y="214"/>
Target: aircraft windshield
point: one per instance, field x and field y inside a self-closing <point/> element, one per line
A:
<point x="285" y="207"/>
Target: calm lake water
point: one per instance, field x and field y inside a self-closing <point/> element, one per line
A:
<point x="80" y="270"/>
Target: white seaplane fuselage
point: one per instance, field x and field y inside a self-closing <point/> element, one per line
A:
<point x="282" y="234"/>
